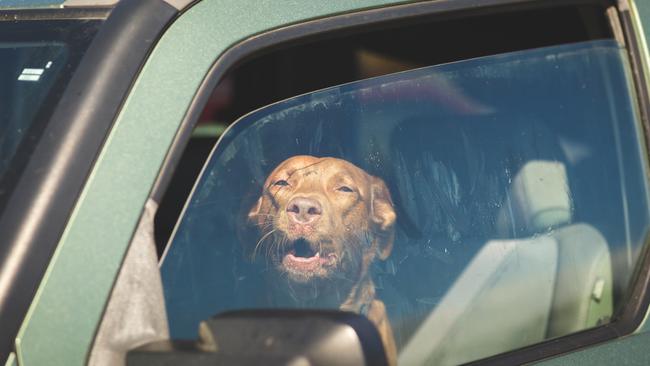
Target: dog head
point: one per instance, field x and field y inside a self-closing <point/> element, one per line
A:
<point x="323" y="219"/>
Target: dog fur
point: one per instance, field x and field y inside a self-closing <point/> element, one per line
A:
<point x="321" y="223"/>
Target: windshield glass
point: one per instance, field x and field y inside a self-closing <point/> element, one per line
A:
<point x="467" y="209"/>
<point x="37" y="60"/>
<point x="28" y="72"/>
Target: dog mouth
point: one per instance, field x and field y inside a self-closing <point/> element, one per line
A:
<point x="307" y="259"/>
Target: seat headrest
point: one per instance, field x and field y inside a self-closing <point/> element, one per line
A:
<point x="539" y="199"/>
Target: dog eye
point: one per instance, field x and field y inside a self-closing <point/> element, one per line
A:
<point x="345" y="189"/>
<point x="281" y="183"/>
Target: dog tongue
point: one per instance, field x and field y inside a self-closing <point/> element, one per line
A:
<point x="308" y="263"/>
<point x="302" y="263"/>
<point x="304" y="259"/>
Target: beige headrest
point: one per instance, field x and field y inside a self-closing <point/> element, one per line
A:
<point x="540" y="195"/>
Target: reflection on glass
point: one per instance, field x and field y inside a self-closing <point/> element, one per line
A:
<point x="467" y="209"/>
<point x="28" y="72"/>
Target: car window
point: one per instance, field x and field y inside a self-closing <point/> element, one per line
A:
<point x="467" y="209"/>
<point x="28" y="71"/>
<point x="37" y="60"/>
<point x="360" y="53"/>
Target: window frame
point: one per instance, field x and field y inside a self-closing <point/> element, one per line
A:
<point x="635" y="304"/>
<point x="24" y="261"/>
<point x="59" y="167"/>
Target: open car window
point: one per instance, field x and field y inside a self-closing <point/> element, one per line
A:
<point x="467" y="209"/>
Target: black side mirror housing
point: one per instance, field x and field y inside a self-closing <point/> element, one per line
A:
<point x="272" y="337"/>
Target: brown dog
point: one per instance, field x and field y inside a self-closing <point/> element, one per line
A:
<point x="323" y="221"/>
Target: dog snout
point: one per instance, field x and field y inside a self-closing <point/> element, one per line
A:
<point x="302" y="210"/>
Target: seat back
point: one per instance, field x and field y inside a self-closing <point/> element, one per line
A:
<point x="540" y="203"/>
<point x="519" y="291"/>
<point x="583" y="288"/>
<point x="500" y="302"/>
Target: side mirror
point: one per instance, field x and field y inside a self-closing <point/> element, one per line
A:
<point x="272" y="337"/>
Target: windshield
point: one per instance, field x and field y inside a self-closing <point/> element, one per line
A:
<point x="467" y="209"/>
<point x="37" y="60"/>
<point x="28" y="72"/>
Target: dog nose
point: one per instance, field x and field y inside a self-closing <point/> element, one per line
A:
<point x="304" y="210"/>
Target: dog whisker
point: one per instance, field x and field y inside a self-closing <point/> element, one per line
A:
<point x="266" y="215"/>
<point x="261" y="240"/>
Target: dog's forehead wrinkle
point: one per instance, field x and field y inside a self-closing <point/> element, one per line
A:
<point x="344" y="171"/>
<point x="294" y="169"/>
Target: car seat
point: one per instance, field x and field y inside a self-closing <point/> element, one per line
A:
<point x="521" y="290"/>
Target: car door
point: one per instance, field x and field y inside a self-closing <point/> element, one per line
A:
<point x="206" y="41"/>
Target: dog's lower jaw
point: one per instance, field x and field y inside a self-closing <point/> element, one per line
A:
<point x="302" y="270"/>
<point x="324" y="290"/>
<point x="300" y="279"/>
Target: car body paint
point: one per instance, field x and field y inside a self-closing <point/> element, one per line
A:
<point x="68" y="307"/>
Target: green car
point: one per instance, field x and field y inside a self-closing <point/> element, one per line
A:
<point x="379" y="182"/>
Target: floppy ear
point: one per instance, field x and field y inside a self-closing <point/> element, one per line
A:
<point x="248" y="223"/>
<point x="253" y="213"/>
<point x="383" y="217"/>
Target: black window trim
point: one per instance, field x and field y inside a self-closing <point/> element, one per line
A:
<point x="59" y="166"/>
<point x="635" y="305"/>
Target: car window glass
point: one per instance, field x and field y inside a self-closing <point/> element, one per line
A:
<point x="38" y="57"/>
<point x="28" y="72"/>
<point x="478" y="207"/>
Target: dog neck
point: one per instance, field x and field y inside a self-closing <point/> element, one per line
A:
<point x="361" y="296"/>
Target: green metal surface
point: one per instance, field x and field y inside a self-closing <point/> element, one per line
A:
<point x="62" y="320"/>
<point x="64" y="315"/>
<point x="11" y="360"/>
<point x="643" y="8"/>
<point x="628" y="351"/>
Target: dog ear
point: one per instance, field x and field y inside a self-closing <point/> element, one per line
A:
<point x="248" y="222"/>
<point x="253" y="213"/>
<point x="383" y="217"/>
